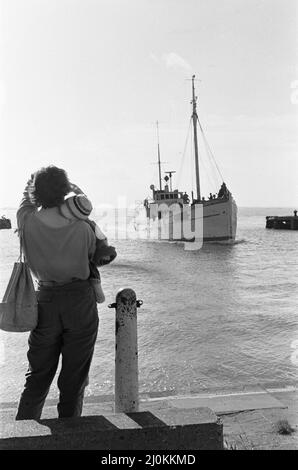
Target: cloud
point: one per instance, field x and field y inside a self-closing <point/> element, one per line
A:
<point x="176" y="61"/>
<point x="172" y="60"/>
<point x="154" y="58"/>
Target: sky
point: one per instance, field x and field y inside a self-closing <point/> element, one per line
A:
<point x="83" y="82"/>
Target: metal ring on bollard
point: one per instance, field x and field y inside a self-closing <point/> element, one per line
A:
<point x="138" y="302"/>
<point x="113" y="305"/>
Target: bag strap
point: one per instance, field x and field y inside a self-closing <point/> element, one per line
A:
<point x="20" y="231"/>
<point x="21" y="255"/>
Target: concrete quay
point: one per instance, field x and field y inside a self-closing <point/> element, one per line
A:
<point x="243" y="419"/>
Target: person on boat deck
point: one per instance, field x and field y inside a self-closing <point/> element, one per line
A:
<point x="223" y="192"/>
<point x="58" y="252"/>
<point x="185" y="198"/>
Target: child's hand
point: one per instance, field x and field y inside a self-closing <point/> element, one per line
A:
<point x="106" y="258"/>
<point x="76" y="189"/>
<point x="103" y="254"/>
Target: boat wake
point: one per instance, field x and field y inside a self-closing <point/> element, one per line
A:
<point x="137" y="267"/>
<point x="239" y="242"/>
<point x="228" y="242"/>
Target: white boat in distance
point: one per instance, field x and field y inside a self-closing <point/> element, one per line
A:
<point x="218" y="213"/>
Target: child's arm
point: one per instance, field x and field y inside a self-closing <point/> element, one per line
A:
<point x="104" y="253"/>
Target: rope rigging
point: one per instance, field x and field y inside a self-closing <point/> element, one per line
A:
<point x="183" y="154"/>
<point x="212" y="179"/>
<point x="209" y="151"/>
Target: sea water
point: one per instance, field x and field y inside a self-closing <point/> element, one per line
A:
<point x="222" y="317"/>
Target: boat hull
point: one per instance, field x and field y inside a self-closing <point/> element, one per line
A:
<point x="216" y="219"/>
<point x="220" y="220"/>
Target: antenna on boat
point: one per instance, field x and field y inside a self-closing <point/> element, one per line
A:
<point x="195" y="120"/>
<point x="158" y="152"/>
<point x="159" y="163"/>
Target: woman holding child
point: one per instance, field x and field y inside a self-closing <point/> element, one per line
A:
<point x="60" y="248"/>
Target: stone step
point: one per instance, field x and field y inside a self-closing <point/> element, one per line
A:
<point x="145" y="430"/>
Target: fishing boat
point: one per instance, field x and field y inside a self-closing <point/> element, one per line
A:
<point x="4" y="222"/>
<point x="218" y="213"/>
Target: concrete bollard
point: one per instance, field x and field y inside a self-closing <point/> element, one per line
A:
<point x="126" y="352"/>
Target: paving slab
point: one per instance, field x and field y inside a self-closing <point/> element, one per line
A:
<point x="230" y="403"/>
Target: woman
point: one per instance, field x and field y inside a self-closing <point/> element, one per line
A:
<point x="57" y="251"/>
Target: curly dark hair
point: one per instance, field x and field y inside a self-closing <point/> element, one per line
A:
<point x="50" y="185"/>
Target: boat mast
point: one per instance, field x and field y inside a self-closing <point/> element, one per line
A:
<point x="158" y="152"/>
<point x="195" y="136"/>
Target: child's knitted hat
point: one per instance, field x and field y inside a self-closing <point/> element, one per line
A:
<point x="77" y="206"/>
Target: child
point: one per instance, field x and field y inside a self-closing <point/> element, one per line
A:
<point x="79" y="207"/>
